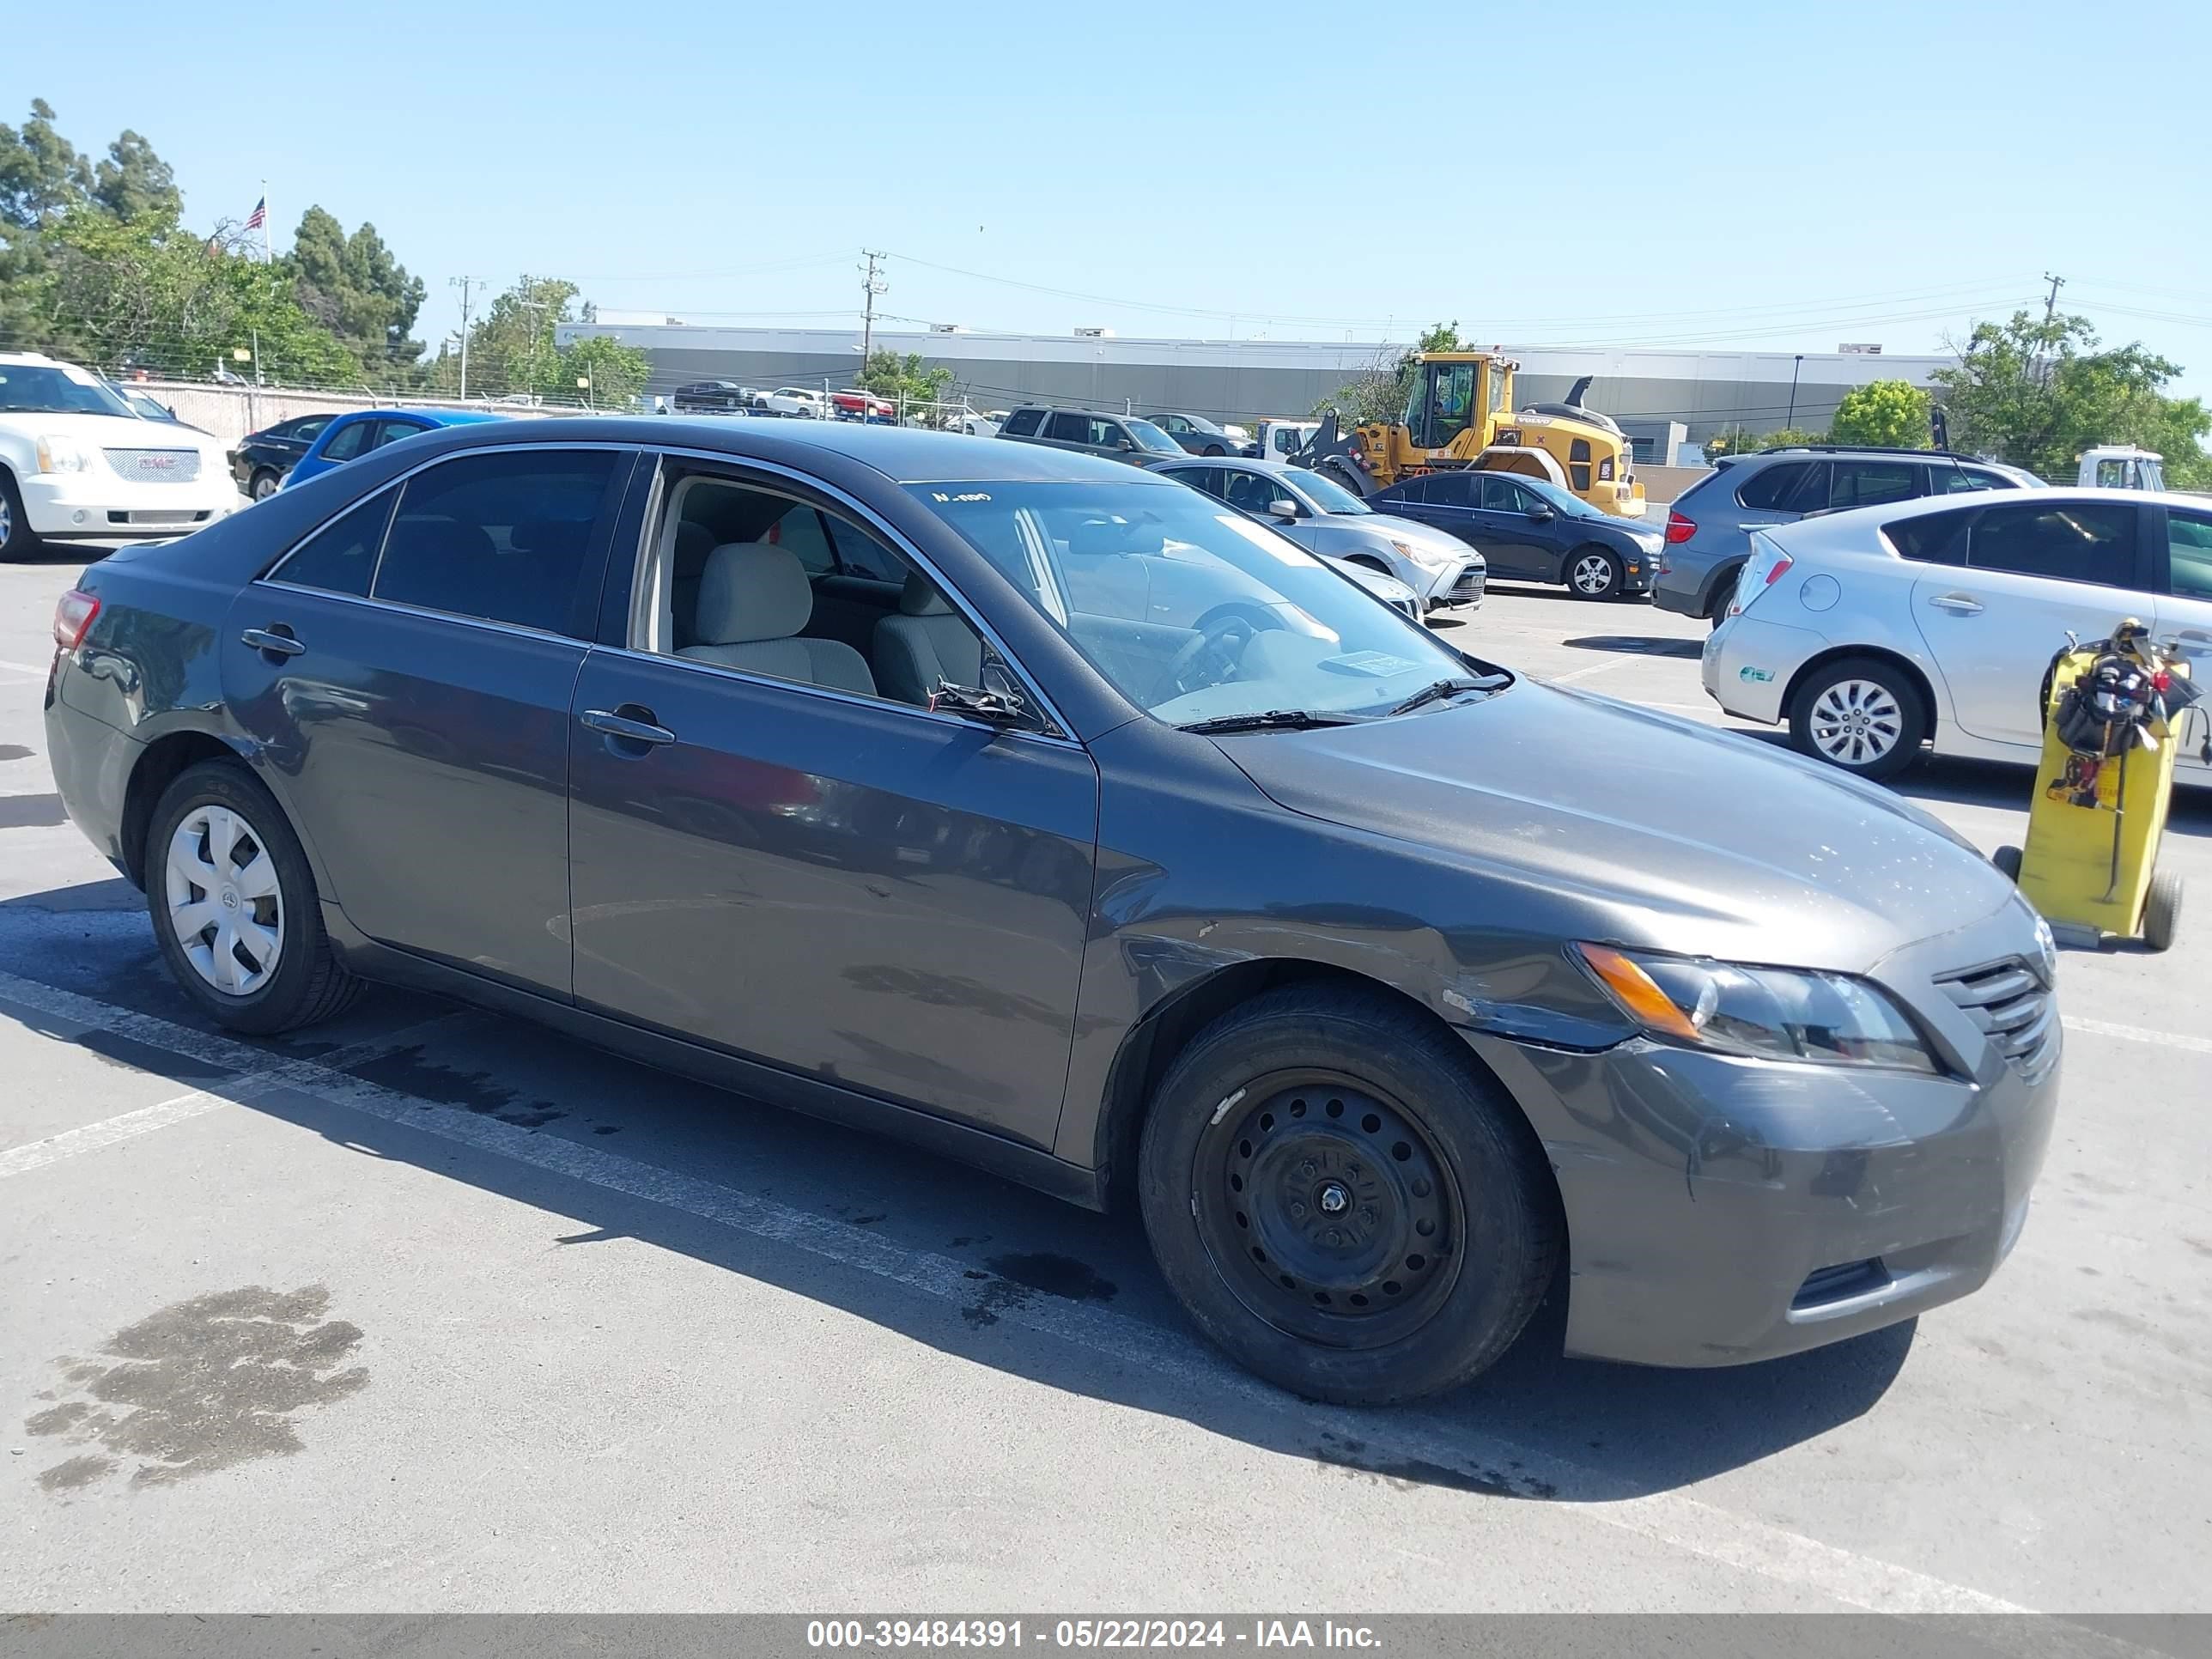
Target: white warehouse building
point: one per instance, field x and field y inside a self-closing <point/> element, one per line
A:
<point x="1659" y="397"/>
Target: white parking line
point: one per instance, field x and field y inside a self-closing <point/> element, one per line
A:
<point x="1672" y="1518"/>
<point x="23" y="668"/>
<point x="2195" y="1045"/>
<point x="1606" y="667"/>
<point x="90" y="1137"/>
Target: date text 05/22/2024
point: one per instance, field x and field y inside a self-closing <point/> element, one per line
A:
<point x="872" y="1635"/>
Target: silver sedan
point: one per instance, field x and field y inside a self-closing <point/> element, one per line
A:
<point x="1324" y="517"/>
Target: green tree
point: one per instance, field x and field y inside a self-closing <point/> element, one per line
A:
<point x="1738" y="439"/>
<point x="134" y="183"/>
<point x="617" y="372"/>
<point x="889" y="374"/>
<point x="41" y="174"/>
<point x="2037" y="393"/>
<point x="1887" y="414"/>
<point x="1379" y="392"/>
<point x="355" y="288"/>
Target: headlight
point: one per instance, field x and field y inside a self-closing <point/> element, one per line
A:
<point x="60" y="454"/>
<point x="1428" y="557"/>
<point x="1769" y="1013"/>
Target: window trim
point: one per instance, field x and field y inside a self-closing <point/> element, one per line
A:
<point x="777" y="480"/>
<point x="269" y="576"/>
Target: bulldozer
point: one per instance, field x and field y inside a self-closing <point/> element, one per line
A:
<point x="1460" y="413"/>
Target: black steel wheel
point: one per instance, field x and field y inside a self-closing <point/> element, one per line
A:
<point x="1343" y="1199"/>
<point x="1327" y="1210"/>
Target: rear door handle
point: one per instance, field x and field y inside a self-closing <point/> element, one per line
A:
<point x="271" y="643"/>
<point x="1964" y="604"/>
<point x="614" y="724"/>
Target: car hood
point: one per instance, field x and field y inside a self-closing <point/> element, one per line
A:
<point x="1641" y="827"/>
<point x="117" y="432"/>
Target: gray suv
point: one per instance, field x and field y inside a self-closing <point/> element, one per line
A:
<point x="1709" y="528"/>
<point x="1091" y="432"/>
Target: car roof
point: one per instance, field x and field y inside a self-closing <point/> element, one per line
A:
<point x="434" y="417"/>
<point x="901" y="454"/>
<point x="1853" y="525"/>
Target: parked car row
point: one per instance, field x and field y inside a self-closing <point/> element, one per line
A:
<point x="1336" y="951"/>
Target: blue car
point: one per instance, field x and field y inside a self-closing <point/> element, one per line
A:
<point x="350" y="436"/>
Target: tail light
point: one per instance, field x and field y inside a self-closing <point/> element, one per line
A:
<point x="1679" y="529"/>
<point x="73" y="615"/>
<point x="1769" y="564"/>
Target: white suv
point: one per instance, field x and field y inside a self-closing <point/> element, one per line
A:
<point x="1875" y="631"/>
<point x="75" y="461"/>
<point x="796" y="400"/>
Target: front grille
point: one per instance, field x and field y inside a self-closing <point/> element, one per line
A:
<point x="1468" y="587"/>
<point x="2013" y="1009"/>
<point x="156" y="465"/>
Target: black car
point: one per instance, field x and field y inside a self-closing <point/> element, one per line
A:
<point x="262" y="459"/>
<point x="1200" y="436"/>
<point x="1530" y="529"/>
<point x="714" y="398"/>
<point x="1045" y="812"/>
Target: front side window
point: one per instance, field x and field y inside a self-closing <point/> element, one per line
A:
<point x="504" y="537"/>
<point x="1149" y="436"/>
<point x="1326" y="494"/>
<point x="2073" y="542"/>
<point x="349" y="441"/>
<point x="1498" y="495"/>
<point x="2188" y="553"/>
<point x="1192" y="611"/>
<point x="341" y="556"/>
<point x="1255" y="492"/>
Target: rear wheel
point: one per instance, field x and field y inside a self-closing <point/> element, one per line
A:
<point x="1716" y="607"/>
<point x="2163" y="910"/>
<point x="1861" y="714"/>
<point x="235" y="907"/>
<point x="1342" y="1202"/>
<point x="1593" y="573"/>
<point x="266" y="482"/>
<point x="16" y="540"/>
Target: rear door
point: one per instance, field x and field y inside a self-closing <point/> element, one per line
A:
<point x="2184" y="616"/>
<point x="2033" y="571"/>
<point x="407" y="671"/>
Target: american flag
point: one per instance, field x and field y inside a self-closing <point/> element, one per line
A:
<point x="256" y="219"/>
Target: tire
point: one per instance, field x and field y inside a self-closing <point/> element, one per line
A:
<point x="1424" y="1141"/>
<point x="304" y="981"/>
<point x="1351" y="479"/>
<point x="2006" y="860"/>
<point x="1723" y="595"/>
<point x="1214" y="449"/>
<point x="1591" y="572"/>
<point x="16" y="540"/>
<point x="266" y="481"/>
<point x="1894" y="719"/>
<point x="2163" y="910"/>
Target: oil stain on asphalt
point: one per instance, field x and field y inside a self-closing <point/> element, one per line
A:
<point x="200" y="1386"/>
<point x="406" y="1070"/>
<point x="1015" y="1278"/>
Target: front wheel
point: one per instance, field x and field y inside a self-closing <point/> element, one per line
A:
<point x="235" y="907"/>
<point x="1861" y="714"/>
<point x="16" y="540"/>
<point x="1342" y="1202"/>
<point x="1593" y="573"/>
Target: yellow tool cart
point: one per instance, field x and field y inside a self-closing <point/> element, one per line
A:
<point x="2116" y="713"/>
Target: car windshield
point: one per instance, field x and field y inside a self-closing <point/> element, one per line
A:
<point x="1328" y="495"/>
<point x="57" y="389"/>
<point x="1193" y="611"/>
<point x="1149" y="436"/>
<point x="1571" y="505"/>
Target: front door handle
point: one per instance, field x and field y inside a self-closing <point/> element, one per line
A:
<point x="271" y="642"/>
<point x="613" y="723"/>
<point x="1963" y="604"/>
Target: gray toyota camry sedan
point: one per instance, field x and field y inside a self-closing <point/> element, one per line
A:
<point x="1058" y="818"/>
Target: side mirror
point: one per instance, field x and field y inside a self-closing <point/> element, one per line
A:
<point x="1284" y="508"/>
<point x="1542" y="515"/>
<point x="999" y="705"/>
<point x="1125" y="442"/>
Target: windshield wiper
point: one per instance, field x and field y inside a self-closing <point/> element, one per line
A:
<point x="1451" y="688"/>
<point x="1274" y="719"/>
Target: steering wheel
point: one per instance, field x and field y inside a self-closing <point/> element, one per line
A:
<point x="1212" y="648"/>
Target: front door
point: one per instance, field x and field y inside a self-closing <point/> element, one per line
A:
<point x="2031" y="573"/>
<point x="407" y="673"/>
<point x="2185" y="618"/>
<point x="794" y="866"/>
<point x="1512" y="542"/>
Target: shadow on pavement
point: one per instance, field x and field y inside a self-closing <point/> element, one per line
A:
<point x="1637" y="645"/>
<point x="1537" y="1426"/>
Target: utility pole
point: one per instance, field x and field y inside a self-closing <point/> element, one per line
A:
<point x="1791" y="419"/>
<point x="522" y="287"/>
<point x="464" y="283"/>
<point x="2051" y="305"/>
<point x="871" y="286"/>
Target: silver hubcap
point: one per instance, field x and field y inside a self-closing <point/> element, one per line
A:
<point x="1593" y="575"/>
<point x="225" y="904"/>
<point x="6" y="522"/>
<point x="1857" y="722"/>
<point x="263" y="487"/>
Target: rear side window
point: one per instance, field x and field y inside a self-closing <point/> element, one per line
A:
<point x="2071" y="541"/>
<point x="1070" y="428"/>
<point x="1453" y="489"/>
<point x="1935" y="538"/>
<point x="1786" y="487"/>
<point x="1873" y="483"/>
<point x="2188" y="553"/>
<point x="341" y="556"/>
<point x="506" y="537"/>
<point x="349" y="441"/>
<point x="1412" y="490"/>
<point x="1023" y="421"/>
<point x="1956" y="480"/>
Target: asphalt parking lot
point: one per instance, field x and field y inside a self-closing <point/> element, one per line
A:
<point x="431" y="1311"/>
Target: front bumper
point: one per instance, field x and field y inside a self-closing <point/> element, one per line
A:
<point x="1459" y="584"/>
<point x="1721" y="1211"/>
<point x="95" y="503"/>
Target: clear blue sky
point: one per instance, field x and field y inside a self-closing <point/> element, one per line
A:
<point x="1785" y="176"/>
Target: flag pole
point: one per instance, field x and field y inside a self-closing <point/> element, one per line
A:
<point x="265" y="258"/>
